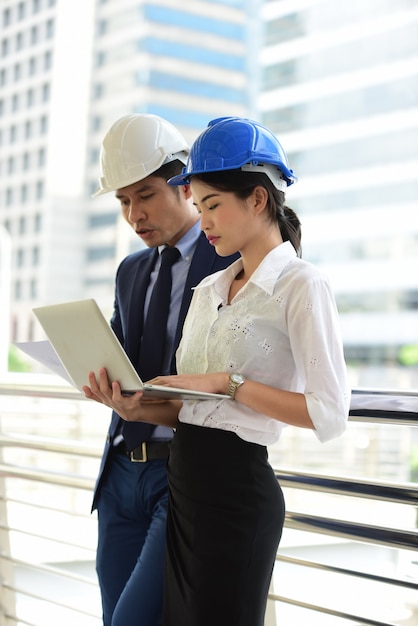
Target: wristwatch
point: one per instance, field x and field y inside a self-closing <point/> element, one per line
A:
<point x="235" y="381"/>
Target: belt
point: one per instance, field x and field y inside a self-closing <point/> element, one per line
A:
<point x="147" y="451"/>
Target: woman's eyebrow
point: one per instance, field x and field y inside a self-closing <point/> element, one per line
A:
<point x="210" y="195"/>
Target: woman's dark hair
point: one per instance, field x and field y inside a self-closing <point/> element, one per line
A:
<point x="242" y="185"/>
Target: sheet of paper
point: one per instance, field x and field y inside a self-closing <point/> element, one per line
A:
<point x="44" y="353"/>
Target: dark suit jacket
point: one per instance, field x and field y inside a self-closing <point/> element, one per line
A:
<point x="132" y="281"/>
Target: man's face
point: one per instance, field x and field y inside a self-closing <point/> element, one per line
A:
<point x="159" y="214"/>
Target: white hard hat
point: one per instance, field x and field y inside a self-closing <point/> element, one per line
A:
<point x="135" y="147"/>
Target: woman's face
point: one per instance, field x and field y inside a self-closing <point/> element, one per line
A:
<point x="227" y="221"/>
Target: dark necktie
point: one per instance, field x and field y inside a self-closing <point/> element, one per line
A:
<point x="151" y="355"/>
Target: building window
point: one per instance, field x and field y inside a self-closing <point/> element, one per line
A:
<point x="50" y="29"/>
<point x="20" y="258"/>
<point x="21" y="10"/>
<point x="100" y="59"/>
<point x="9" y="196"/>
<point x="39" y="190"/>
<point x="24" y="194"/>
<point x="5" y="47"/>
<point x="96" y="123"/>
<point x="10" y="165"/>
<point x="101" y="27"/>
<point x="98" y="254"/>
<point x="32" y="66"/>
<point x="28" y="129"/>
<point x="30" y="98"/>
<point x="6" y="17"/>
<point x="22" y="225"/>
<point x="43" y="125"/>
<point x="94" y="156"/>
<point x="13" y="133"/>
<point x="41" y="157"/>
<point x="26" y="161"/>
<point x="48" y="60"/>
<point x="98" y="91"/>
<point x="17" y="72"/>
<point x="45" y="92"/>
<point x="15" y="102"/>
<point x="35" y="6"/>
<point x="33" y="289"/>
<point x="34" y="35"/>
<point x="19" y="41"/>
<point x="2" y="77"/>
<point x="35" y="256"/>
<point x="103" y="219"/>
<point x="37" y="223"/>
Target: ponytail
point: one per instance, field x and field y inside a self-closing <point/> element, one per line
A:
<point x="290" y="228"/>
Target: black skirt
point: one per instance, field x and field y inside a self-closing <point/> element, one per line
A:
<point x="225" y="519"/>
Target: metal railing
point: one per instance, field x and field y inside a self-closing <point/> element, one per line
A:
<point x="48" y="537"/>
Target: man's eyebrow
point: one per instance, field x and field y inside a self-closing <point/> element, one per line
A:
<point x="210" y="195"/>
<point x="140" y="189"/>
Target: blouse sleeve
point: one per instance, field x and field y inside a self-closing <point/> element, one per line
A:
<point x="315" y="338"/>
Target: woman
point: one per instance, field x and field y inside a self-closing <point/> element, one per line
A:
<point x="264" y="331"/>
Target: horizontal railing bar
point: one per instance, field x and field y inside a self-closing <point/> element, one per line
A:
<point x="43" y="476"/>
<point x="397" y="418"/>
<point x="59" y="540"/>
<point x="40" y="391"/>
<point x="347" y="572"/>
<point x="42" y="444"/>
<point x="302" y="522"/>
<point x="352" y="530"/>
<point x="373" y="391"/>
<point x="44" y="507"/>
<point x="401" y="493"/>
<point x="35" y="596"/>
<point x="376" y="490"/>
<point x="328" y="611"/>
<point x="18" y="620"/>
<point x="50" y="569"/>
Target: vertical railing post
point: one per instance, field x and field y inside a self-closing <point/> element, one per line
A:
<point x="270" y="617"/>
<point x="7" y="586"/>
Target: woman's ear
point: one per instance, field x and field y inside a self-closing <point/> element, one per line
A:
<point x="260" y="197"/>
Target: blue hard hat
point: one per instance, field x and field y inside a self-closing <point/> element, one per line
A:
<point x="231" y="143"/>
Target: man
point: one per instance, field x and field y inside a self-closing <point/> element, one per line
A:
<point x="139" y="154"/>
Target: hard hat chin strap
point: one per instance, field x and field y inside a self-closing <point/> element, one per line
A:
<point x="272" y="171"/>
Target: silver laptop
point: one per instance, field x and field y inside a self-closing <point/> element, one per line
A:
<point x="84" y="342"/>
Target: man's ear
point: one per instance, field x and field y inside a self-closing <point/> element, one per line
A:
<point x="187" y="191"/>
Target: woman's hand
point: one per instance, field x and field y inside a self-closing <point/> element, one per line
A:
<point x="133" y="407"/>
<point x="216" y="382"/>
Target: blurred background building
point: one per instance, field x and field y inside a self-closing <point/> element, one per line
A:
<point x="338" y="83"/>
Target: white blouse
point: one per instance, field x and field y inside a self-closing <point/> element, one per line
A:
<point x="281" y="329"/>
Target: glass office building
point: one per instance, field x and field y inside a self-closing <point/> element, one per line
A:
<point x="340" y="89"/>
<point x="66" y="75"/>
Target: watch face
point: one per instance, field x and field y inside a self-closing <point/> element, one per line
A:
<point x="237" y="378"/>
